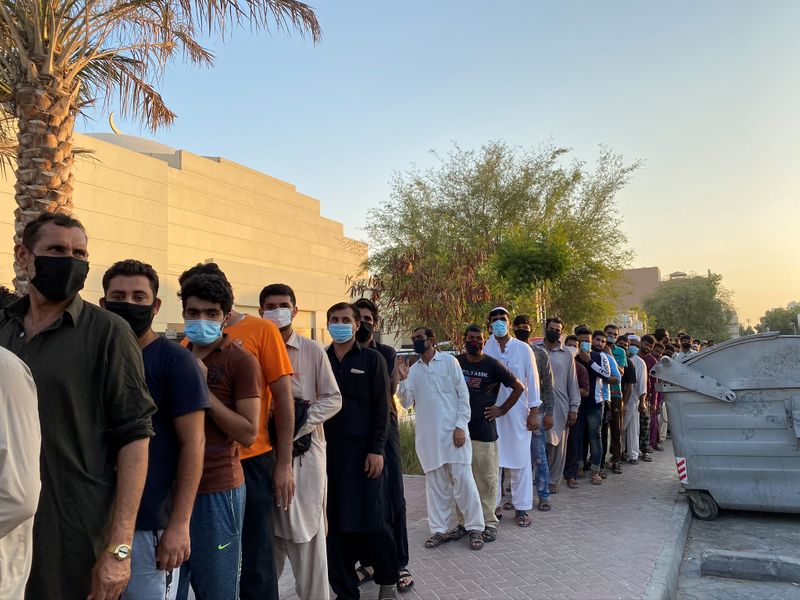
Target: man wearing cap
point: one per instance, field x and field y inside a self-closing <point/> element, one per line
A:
<point x="514" y="428"/>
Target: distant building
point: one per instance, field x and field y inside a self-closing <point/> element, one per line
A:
<point x="635" y="285"/>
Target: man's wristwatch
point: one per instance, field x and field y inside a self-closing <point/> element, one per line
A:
<point x="121" y="552"/>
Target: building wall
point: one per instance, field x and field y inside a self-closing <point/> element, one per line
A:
<point x="635" y="285"/>
<point x="175" y="210"/>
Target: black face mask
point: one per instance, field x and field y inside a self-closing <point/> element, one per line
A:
<point x="552" y="336"/>
<point x="138" y="316"/>
<point x="363" y="333"/>
<point x="419" y="346"/>
<point x="686" y="346"/>
<point x="59" y="278"/>
<point x="474" y="348"/>
<point x="522" y="334"/>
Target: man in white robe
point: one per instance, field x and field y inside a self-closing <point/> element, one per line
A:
<point x="636" y="402"/>
<point x="514" y="428"/>
<point x="435" y="386"/>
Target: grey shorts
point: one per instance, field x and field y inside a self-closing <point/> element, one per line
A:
<point x="147" y="582"/>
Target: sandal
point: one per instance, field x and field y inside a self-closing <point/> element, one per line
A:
<point x="508" y="506"/>
<point x="572" y="483"/>
<point x="597" y="479"/>
<point x="402" y="586"/>
<point x="647" y="458"/>
<point x="603" y="473"/>
<point x="633" y="461"/>
<point x="456" y="533"/>
<point x="489" y="534"/>
<point x="475" y="540"/>
<point x="437" y="539"/>
<point x="363" y="575"/>
<point x="616" y="468"/>
<point x="553" y="489"/>
<point x="498" y="513"/>
<point x="523" y="520"/>
<point x="543" y="506"/>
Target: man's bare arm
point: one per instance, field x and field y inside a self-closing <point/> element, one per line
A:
<point x="283" y="404"/>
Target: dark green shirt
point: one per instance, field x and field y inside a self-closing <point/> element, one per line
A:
<point x="93" y="400"/>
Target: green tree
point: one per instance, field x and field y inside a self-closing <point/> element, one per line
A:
<point x="780" y="319"/>
<point x="745" y="330"/>
<point x="498" y="225"/>
<point x="698" y="305"/>
<point x="58" y="56"/>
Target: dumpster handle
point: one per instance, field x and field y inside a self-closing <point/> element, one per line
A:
<point x="677" y="373"/>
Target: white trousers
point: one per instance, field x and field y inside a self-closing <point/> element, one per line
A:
<point x="309" y="562"/>
<point x="521" y="487"/>
<point x="450" y="482"/>
<point x="663" y="422"/>
<point x="631" y="423"/>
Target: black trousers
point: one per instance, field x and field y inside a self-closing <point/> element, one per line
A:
<point x="344" y="550"/>
<point x="259" y="580"/>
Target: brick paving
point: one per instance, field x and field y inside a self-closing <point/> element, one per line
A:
<point x="598" y="542"/>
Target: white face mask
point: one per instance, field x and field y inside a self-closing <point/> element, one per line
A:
<point x="573" y="350"/>
<point x="282" y="317"/>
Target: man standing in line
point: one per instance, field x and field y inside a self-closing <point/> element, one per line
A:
<point x="89" y="373"/>
<point x="590" y="414"/>
<point x="567" y="399"/>
<point x="435" y="386"/>
<point x="267" y="472"/>
<point x="161" y="542"/>
<point x="359" y="512"/>
<point x="571" y="343"/>
<point x="617" y="405"/>
<point x="233" y="376"/>
<point x="394" y="467"/>
<point x="484" y="375"/>
<point x="300" y="531"/>
<point x="514" y="429"/>
<point x="522" y="331"/>
<point x="20" y="440"/>
<point x="635" y="401"/>
<point x="646" y="354"/>
<point x="609" y="389"/>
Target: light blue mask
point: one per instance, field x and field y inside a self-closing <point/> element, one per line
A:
<point x="500" y="328"/>
<point x="341" y="332"/>
<point x="586" y="346"/>
<point x="633" y="350"/>
<point x="202" y="332"/>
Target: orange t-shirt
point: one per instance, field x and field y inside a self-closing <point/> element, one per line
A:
<point x="263" y="339"/>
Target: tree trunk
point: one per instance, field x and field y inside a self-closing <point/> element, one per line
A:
<point x="46" y="111"/>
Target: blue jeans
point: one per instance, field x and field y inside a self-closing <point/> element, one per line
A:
<point x="216" y="531"/>
<point x="541" y="470"/>
<point x="590" y="417"/>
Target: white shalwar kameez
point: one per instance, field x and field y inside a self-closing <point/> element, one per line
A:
<point x="631" y="418"/>
<point x="441" y="397"/>
<point x="514" y="439"/>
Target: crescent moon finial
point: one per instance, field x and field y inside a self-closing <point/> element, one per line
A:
<point x="113" y="125"/>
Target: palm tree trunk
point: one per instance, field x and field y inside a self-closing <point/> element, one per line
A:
<point x="46" y="110"/>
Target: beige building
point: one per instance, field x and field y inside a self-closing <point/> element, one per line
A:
<point x="173" y="209"/>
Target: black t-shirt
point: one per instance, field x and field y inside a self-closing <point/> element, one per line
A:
<point x="483" y="381"/>
<point x="178" y="388"/>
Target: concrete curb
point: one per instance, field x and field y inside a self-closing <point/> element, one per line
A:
<point x="663" y="584"/>
<point x="750" y="565"/>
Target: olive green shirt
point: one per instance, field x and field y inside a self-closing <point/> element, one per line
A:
<point x="93" y="400"/>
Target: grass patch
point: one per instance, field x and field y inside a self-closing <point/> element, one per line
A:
<point x="408" y="453"/>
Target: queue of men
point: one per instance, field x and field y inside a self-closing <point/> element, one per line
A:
<point x="150" y="469"/>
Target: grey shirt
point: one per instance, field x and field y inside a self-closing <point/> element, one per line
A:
<point x="545" y="378"/>
<point x="567" y="395"/>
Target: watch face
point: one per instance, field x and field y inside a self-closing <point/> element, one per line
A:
<point x="123" y="552"/>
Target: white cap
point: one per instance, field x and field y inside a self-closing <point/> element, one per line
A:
<point x="499" y="309"/>
<point x="634" y="338"/>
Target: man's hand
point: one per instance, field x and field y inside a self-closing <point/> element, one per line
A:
<point x="547" y="423"/>
<point x="572" y="418"/>
<point x="402" y="368"/>
<point x="109" y="577"/>
<point x="492" y="412"/>
<point x="459" y="437"/>
<point x="533" y="421"/>
<point x="173" y="548"/>
<point x="283" y="480"/>
<point x="373" y="466"/>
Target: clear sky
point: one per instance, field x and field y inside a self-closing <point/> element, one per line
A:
<point x="706" y="93"/>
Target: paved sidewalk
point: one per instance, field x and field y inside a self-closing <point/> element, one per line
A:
<point x="598" y="542"/>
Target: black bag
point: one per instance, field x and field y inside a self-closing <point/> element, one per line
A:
<point x="302" y="444"/>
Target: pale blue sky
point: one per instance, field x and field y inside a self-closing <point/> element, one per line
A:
<point x="706" y="93"/>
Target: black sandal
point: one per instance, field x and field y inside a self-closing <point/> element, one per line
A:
<point x="363" y="575"/>
<point x="456" y="533"/>
<point x="543" y="506"/>
<point x="437" y="539"/>
<point x="489" y="534"/>
<point x="401" y="586"/>
<point x="475" y="540"/>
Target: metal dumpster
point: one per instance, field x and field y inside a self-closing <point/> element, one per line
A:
<point x="734" y="414"/>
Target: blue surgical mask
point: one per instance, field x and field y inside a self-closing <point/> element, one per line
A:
<point x="341" y="332"/>
<point x="500" y="328"/>
<point x="202" y="332"/>
<point x="633" y="350"/>
<point x="586" y="346"/>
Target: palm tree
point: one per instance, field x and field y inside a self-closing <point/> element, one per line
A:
<point x="58" y="56"/>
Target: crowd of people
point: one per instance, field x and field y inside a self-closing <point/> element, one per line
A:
<point x="140" y="468"/>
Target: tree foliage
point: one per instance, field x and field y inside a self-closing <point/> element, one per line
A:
<point x="497" y="225"/>
<point x="697" y="305"/>
<point x="780" y="319"/>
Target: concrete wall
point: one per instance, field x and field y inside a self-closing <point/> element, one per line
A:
<point x="175" y="210"/>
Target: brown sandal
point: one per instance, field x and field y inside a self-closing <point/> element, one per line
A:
<point x="572" y="483"/>
<point x="523" y="520"/>
<point x="476" y="540"/>
<point x="437" y="539"/>
<point x="597" y="479"/>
